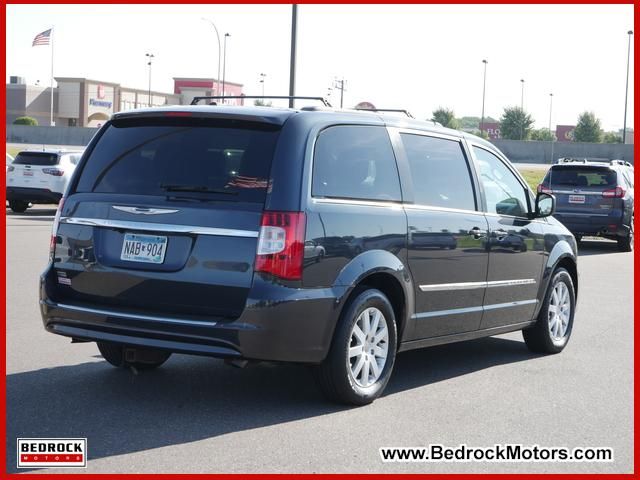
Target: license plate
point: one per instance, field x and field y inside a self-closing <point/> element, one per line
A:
<point x="27" y="173"/>
<point x="576" y="198"/>
<point x="143" y="248"/>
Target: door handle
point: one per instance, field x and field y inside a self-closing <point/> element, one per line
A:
<point x="500" y="233"/>
<point x="477" y="233"/>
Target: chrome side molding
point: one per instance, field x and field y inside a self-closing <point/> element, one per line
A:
<point x="437" y="287"/>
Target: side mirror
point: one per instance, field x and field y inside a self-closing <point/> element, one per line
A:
<point x="545" y="205"/>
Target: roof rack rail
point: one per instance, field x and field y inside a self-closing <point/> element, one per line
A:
<point x="387" y="110"/>
<point x="621" y="162"/>
<point x="572" y="160"/>
<point x="197" y="100"/>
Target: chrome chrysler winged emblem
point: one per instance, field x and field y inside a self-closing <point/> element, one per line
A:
<point x="144" y="210"/>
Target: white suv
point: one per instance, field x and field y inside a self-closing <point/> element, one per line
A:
<point x="39" y="177"/>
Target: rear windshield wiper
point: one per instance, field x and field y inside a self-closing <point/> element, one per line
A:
<point x="195" y="188"/>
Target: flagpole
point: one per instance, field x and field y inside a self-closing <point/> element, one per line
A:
<point x="51" y="111"/>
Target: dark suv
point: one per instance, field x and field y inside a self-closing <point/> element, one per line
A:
<point x="329" y="238"/>
<point x="594" y="198"/>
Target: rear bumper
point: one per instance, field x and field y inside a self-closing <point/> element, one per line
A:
<point x="594" y="224"/>
<point x="278" y="324"/>
<point x="33" y="195"/>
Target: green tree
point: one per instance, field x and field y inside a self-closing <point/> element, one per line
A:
<point x="261" y="103"/>
<point x="445" y="117"/>
<point x="611" y="137"/>
<point x="543" y="135"/>
<point x="515" y="124"/>
<point x="26" y="121"/>
<point x="471" y="123"/>
<point x="588" y="128"/>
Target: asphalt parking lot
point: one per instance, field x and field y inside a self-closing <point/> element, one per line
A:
<point x="197" y="415"/>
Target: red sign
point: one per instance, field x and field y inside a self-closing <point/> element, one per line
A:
<point x="564" y="133"/>
<point x="492" y="129"/>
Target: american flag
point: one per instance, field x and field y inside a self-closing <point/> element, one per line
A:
<point x="42" y="38"/>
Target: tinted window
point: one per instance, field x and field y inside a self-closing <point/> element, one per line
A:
<point x="440" y="172"/>
<point x="36" y="158"/>
<point x="581" y="177"/>
<point x="185" y="157"/>
<point x="355" y="162"/>
<point x="504" y="193"/>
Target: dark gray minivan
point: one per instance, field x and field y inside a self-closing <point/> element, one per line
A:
<point x="326" y="237"/>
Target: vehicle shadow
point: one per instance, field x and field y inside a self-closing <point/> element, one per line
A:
<point x="193" y="398"/>
<point x="40" y="212"/>
<point x="597" y="247"/>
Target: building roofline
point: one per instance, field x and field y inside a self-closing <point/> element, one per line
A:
<point x="213" y="80"/>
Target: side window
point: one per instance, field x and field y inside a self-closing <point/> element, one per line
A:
<point x="628" y="175"/>
<point x="440" y="172"/>
<point x="355" y="162"/>
<point x="503" y="191"/>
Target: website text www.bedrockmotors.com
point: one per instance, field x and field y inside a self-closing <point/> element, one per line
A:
<point x="496" y="453"/>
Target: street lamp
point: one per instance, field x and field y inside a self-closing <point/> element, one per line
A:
<point x="215" y="29"/>
<point x="522" y="109"/>
<point x="550" y="132"/>
<point x="626" y="92"/>
<point x="150" y="57"/>
<point x="262" y="78"/>
<point x="484" y="87"/>
<point x="224" y="63"/>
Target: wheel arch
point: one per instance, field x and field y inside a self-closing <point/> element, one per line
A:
<point x="383" y="271"/>
<point x="561" y="256"/>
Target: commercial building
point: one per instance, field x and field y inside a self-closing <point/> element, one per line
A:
<point x="82" y="102"/>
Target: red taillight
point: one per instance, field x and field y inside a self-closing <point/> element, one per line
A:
<point x="178" y="114"/>
<point x="544" y="189"/>
<point x="54" y="228"/>
<point x="617" y="192"/>
<point x="56" y="172"/>
<point x="281" y="244"/>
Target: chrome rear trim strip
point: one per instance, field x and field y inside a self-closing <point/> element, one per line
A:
<point x="159" y="227"/>
<point x="132" y="316"/>
<point x="471" y="285"/>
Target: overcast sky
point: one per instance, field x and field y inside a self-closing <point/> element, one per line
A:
<point x="416" y="57"/>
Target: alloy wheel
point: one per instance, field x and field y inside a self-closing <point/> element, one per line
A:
<point x="368" y="347"/>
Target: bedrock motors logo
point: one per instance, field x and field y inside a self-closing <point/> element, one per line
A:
<point x="52" y="452"/>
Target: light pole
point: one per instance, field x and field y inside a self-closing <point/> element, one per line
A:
<point x="484" y="89"/>
<point x="522" y="109"/>
<point x="626" y="92"/>
<point x="215" y="29"/>
<point x="150" y="57"/>
<point x="550" y="132"/>
<point x="339" y="84"/>
<point x="292" y="59"/>
<point x="262" y="78"/>
<point x="224" y="63"/>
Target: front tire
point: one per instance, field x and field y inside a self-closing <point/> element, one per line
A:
<point x="625" y="244"/>
<point x="363" y="351"/>
<point x="551" y="332"/>
<point x="18" y="206"/>
<point x="122" y="356"/>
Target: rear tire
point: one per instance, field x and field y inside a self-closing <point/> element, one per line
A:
<point x="363" y="351"/>
<point x="625" y="244"/>
<point x="551" y="332"/>
<point x="18" y="206"/>
<point x="145" y="358"/>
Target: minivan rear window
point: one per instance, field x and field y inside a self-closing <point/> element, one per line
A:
<point x="36" y="158"/>
<point x="182" y="157"/>
<point x="581" y="177"/>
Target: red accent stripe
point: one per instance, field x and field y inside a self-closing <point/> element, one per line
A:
<point x="51" y="458"/>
